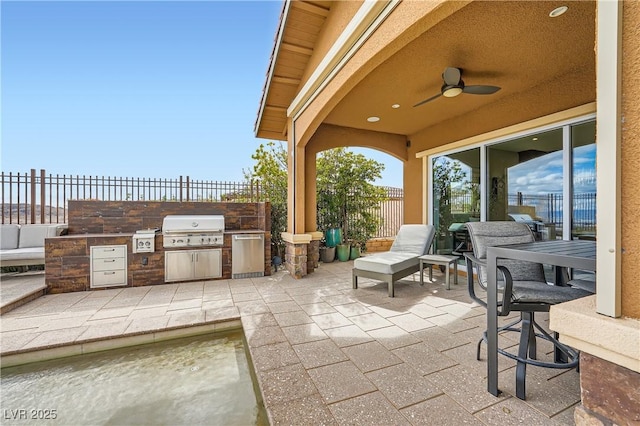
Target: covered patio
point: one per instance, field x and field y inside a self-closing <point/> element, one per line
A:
<point x="423" y="80"/>
<point x="323" y="353"/>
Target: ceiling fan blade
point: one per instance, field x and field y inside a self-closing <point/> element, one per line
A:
<point x="428" y="100"/>
<point x="480" y="90"/>
<point x="451" y="76"/>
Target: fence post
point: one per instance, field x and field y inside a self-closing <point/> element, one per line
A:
<point x="32" y="184"/>
<point x="43" y="199"/>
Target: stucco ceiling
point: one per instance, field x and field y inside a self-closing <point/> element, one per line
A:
<point x="514" y="45"/>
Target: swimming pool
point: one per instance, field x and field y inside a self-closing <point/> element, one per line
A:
<point x="200" y="380"/>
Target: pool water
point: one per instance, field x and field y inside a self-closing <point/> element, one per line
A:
<point x="201" y="380"/>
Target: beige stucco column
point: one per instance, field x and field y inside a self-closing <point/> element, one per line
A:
<point x="606" y="327"/>
<point x="301" y="239"/>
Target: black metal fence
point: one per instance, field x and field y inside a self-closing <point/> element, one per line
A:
<point x="38" y="197"/>
<point x="391" y="212"/>
<point x="547" y="207"/>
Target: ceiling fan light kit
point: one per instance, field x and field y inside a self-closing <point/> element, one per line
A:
<point x="452" y="91"/>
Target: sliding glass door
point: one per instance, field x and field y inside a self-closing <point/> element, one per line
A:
<point x="583" y="146"/>
<point x="456" y="197"/>
<point x="546" y="179"/>
<point x="525" y="182"/>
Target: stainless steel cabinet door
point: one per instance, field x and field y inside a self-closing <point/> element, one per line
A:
<point x="178" y="265"/>
<point x="208" y="263"/>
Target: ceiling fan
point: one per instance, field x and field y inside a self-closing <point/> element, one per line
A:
<point x="453" y="86"/>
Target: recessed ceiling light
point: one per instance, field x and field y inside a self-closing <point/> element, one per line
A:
<point x="558" y="11"/>
<point x="373" y="119"/>
<point x="395" y="106"/>
<point x="535" y="139"/>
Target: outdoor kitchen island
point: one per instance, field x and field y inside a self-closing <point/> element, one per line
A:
<point x="103" y="233"/>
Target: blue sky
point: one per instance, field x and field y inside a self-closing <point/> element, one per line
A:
<point x="543" y="175"/>
<point x="154" y="89"/>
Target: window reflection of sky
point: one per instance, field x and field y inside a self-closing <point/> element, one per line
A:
<point x="543" y="175"/>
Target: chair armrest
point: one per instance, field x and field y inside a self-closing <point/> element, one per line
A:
<point x="507" y="293"/>
<point x="471" y="259"/>
<point x="505" y="303"/>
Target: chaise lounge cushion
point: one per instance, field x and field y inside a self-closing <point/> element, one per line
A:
<point x="401" y="260"/>
<point x="386" y="263"/>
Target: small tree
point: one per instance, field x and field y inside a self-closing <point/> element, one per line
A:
<point x="271" y="171"/>
<point x="445" y="173"/>
<point x="346" y="194"/>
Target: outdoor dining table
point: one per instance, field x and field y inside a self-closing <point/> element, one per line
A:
<point x="576" y="254"/>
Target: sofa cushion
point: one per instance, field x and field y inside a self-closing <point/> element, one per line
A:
<point x="34" y="235"/>
<point x="387" y="262"/>
<point x="9" y="236"/>
<point x="31" y="253"/>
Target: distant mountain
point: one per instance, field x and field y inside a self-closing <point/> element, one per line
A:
<point x="21" y="214"/>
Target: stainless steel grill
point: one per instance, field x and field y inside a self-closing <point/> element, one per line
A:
<point x="193" y="230"/>
<point x="536" y="226"/>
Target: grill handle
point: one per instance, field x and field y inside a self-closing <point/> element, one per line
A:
<point x="247" y="237"/>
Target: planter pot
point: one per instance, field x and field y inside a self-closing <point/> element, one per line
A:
<point x="327" y="254"/>
<point x="333" y="237"/>
<point x="355" y="252"/>
<point x="344" y="251"/>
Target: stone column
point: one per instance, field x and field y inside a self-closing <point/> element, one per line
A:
<point x="313" y="255"/>
<point x="610" y="393"/>
<point x="296" y="249"/>
<point x="296" y="259"/>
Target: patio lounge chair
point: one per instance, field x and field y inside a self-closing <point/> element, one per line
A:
<point x="401" y="260"/>
<point x="523" y="288"/>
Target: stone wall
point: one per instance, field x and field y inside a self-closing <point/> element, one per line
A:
<point x="114" y="217"/>
<point x="99" y="223"/>
<point x="379" y="244"/>
<point x="610" y="393"/>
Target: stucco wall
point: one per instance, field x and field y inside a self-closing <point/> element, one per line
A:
<point x="630" y="160"/>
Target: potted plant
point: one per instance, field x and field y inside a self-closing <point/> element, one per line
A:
<point x="344" y="251"/>
<point x="327" y="254"/>
<point x="356" y="249"/>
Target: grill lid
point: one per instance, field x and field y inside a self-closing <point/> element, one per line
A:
<point x="181" y="224"/>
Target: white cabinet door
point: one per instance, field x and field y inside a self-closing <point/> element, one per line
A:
<point x="208" y="263"/>
<point x="178" y="265"/>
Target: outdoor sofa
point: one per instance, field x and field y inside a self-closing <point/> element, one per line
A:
<point x="23" y="245"/>
<point x="401" y="260"/>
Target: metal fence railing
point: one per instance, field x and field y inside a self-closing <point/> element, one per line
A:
<point x="42" y="198"/>
<point x="390" y="212"/>
<point x="547" y="207"/>
<point x="38" y="197"/>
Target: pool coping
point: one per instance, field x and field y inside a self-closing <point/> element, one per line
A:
<point x="104" y="343"/>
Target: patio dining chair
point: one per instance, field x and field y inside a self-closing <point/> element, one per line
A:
<point x="522" y="287"/>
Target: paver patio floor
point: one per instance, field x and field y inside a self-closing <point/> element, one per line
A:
<point x="323" y="353"/>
